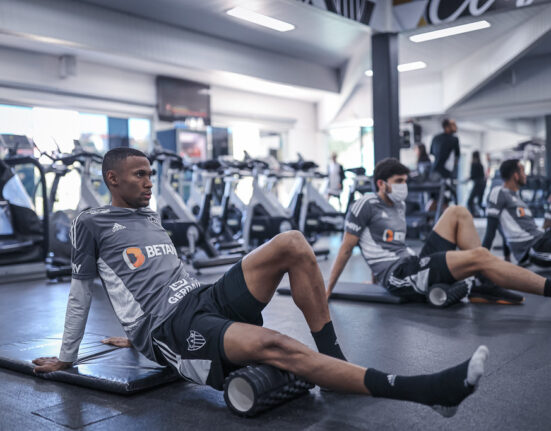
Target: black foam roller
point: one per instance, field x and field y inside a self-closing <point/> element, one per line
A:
<point x="256" y="388"/>
<point x="443" y="295"/>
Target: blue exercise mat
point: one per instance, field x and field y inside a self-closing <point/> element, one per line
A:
<point x="358" y="292"/>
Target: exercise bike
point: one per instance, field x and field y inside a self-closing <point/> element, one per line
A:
<point x="59" y="256"/>
<point x="177" y="218"/>
<point x="263" y="216"/>
<point x="310" y="210"/>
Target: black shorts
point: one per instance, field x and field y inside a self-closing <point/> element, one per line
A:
<point x="411" y="276"/>
<point x="540" y="253"/>
<point x="191" y="340"/>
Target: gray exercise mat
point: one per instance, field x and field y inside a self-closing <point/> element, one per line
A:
<point x="99" y="366"/>
<point x="358" y="292"/>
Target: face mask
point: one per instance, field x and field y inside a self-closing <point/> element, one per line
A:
<point x="399" y="193"/>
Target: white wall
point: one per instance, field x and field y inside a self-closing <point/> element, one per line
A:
<point x="421" y="94"/>
<point x="495" y="141"/>
<point x="295" y="118"/>
<point x="33" y="79"/>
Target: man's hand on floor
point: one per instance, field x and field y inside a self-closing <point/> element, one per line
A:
<point x="50" y="364"/>
<point x="117" y="341"/>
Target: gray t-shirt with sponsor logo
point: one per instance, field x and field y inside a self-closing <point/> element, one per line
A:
<point x="382" y="232"/>
<point x="515" y="218"/>
<point x="137" y="263"/>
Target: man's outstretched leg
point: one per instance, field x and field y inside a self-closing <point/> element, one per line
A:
<point x="290" y="253"/>
<point x="443" y="391"/>
<point x="463" y="264"/>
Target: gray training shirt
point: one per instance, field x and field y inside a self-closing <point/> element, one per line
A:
<point x="382" y="232"/>
<point x="139" y="268"/>
<point x="515" y="218"/>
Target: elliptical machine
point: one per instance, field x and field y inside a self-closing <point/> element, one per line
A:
<point x="177" y="218"/>
<point x="23" y="236"/>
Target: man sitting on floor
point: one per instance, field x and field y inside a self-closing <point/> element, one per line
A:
<point x="205" y="332"/>
<point x="377" y="222"/>
<point x="507" y="211"/>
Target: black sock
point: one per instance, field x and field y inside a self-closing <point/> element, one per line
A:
<point x="326" y="341"/>
<point x="547" y="287"/>
<point x="447" y="388"/>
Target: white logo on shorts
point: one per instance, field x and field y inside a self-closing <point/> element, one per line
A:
<point x="391" y="379"/>
<point x="424" y="261"/>
<point x="195" y="341"/>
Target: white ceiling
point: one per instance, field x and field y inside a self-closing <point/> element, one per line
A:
<point x="442" y="53"/>
<point x="320" y="37"/>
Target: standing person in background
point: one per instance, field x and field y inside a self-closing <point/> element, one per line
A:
<point x="335" y="172"/>
<point x="423" y="161"/>
<point x="445" y="149"/>
<point x="479" y="183"/>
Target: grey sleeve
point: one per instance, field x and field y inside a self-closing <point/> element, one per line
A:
<point x="83" y="249"/>
<point x="496" y="202"/>
<point x="78" y="305"/>
<point x="358" y="217"/>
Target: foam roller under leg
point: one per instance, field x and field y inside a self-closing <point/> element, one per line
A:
<point x="256" y="388"/>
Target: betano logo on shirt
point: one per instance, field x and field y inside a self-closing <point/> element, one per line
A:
<point x="135" y="258"/>
<point x="389" y="236"/>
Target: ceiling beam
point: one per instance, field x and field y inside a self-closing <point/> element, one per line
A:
<point x="352" y="72"/>
<point x="465" y="77"/>
<point x="523" y="90"/>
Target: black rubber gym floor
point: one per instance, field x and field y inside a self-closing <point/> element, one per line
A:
<point x="405" y="339"/>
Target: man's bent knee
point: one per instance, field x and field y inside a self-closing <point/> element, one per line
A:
<point x="294" y="245"/>
<point x="480" y="256"/>
<point x="458" y="212"/>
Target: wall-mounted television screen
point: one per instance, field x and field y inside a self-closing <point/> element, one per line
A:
<point x="178" y="99"/>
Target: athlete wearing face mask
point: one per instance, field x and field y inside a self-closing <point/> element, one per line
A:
<point x="377" y="224"/>
<point x="397" y="192"/>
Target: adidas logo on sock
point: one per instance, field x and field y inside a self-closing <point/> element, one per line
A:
<point x="117" y="227"/>
<point x="391" y="379"/>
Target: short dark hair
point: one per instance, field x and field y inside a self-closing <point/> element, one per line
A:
<point x="114" y="157"/>
<point x="508" y="168"/>
<point x="446" y="123"/>
<point x="387" y="168"/>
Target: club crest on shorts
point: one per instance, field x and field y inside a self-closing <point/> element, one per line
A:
<point x="195" y="341"/>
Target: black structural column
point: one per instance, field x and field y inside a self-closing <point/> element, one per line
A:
<point x="386" y="121"/>
<point x="548" y="145"/>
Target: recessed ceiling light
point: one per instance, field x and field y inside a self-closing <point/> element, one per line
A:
<point x="259" y="19"/>
<point x="416" y="65"/>
<point x="450" y="31"/>
<point x="405" y="67"/>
